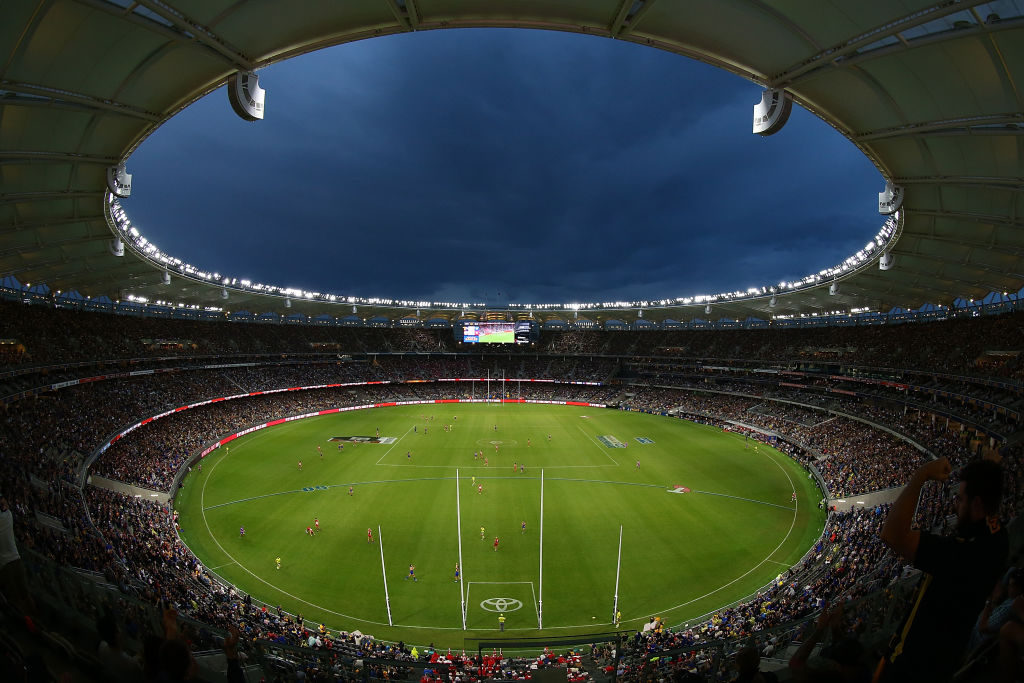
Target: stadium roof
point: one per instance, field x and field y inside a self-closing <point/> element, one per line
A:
<point x="931" y="92"/>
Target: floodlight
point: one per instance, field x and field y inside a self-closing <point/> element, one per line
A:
<point x="772" y="112"/>
<point x="246" y="96"/>
<point x="119" y="181"/>
<point x="890" y="199"/>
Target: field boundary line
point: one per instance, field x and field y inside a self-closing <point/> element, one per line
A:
<point x="767" y="557"/>
<point x="202" y="511"/>
<point x="749" y="500"/>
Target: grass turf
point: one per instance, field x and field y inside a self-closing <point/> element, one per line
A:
<point x="683" y="554"/>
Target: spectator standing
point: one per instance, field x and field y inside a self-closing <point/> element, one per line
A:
<point x="959" y="570"/>
<point x="12" y="572"/>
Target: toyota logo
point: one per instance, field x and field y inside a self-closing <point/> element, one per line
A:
<point x="501" y="604"/>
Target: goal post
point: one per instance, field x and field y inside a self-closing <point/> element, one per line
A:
<point x="618" y="566"/>
<point x="462" y="568"/>
<point x="540" y="572"/>
<point x="384" y="574"/>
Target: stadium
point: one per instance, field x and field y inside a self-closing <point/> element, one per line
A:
<point x="211" y="478"/>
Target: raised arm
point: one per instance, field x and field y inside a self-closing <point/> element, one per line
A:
<point x="896" y="532"/>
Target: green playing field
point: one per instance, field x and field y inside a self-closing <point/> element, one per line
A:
<point x="705" y="518"/>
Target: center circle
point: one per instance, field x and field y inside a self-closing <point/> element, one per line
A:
<point x="497" y="442"/>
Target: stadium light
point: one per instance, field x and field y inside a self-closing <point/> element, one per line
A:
<point x="127" y="233"/>
<point x="890" y="199"/>
<point x="772" y="112"/>
<point x="119" y="181"/>
<point x="246" y="96"/>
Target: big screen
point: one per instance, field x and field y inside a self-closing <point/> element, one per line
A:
<point x="498" y="332"/>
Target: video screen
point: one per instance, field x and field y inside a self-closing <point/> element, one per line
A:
<point x="521" y="332"/>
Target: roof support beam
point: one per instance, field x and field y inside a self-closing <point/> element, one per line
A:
<point x="829" y="56"/>
<point x="137" y="19"/>
<point x="200" y="34"/>
<point x="46" y="196"/>
<point x="87" y="102"/>
<point x="399" y="14"/>
<point x="33" y="157"/>
<point x="960" y="126"/>
<point x="933" y="275"/>
<point x="904" y="44"/>
<point x="13" y="228"/>
<point x="413" y="14"/>
<point x="625" y="19"/>
<point x="1006" y="184"/>
<point x="964" y="216"/>
<point x="620" y="17"/>
<point x="989" y="244"/>
<point x="990" y="270"/>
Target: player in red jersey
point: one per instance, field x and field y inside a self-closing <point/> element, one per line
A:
<point x="316" y="523"/>
<point x="495" y="544"/>
<point x="369" y="536"/>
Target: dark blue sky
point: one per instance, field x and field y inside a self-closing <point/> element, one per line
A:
<point x="502" y="165"/>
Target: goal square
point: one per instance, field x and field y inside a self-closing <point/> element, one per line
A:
<point x="487" y="600"/>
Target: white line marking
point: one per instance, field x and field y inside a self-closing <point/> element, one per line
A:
<point x="766" y="559"/>
<point x="749" y="500"/>
<point x="202" y="498"/>
<point x="500" y="583"/>
<point x="393" y="445"/>
<point x="456" y="628"/>
<point x="593" y="440"/>
<point x="782" y="563"/>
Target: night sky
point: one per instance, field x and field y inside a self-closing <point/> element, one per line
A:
<point x="502" y="166"/>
